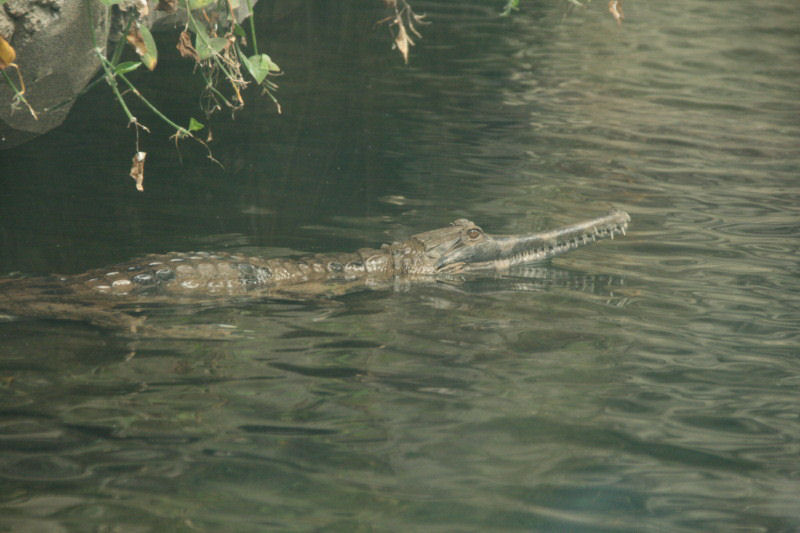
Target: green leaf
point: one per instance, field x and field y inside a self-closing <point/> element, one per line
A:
<point x="128" y="66"/>
<point x="511" y="5"/>
<point x="239" y="31"/>
<point x="245" y="61"/>
<point x="198" y="29"/>
<point x="195" y="125"/>
<point x="104" y="2"/>
<point x="206" y="49"/>
<point x="150" y="56"/>
<point x="260" y="65"/>
<point x="206" y="46"/>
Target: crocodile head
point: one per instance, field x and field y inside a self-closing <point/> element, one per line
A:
<point x="464" y="247"/>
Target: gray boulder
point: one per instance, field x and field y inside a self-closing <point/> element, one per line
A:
<point x="57" y="59"/>
<point x="56" y="56"/>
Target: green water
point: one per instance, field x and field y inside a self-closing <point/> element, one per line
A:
<point x="645" y="384"/>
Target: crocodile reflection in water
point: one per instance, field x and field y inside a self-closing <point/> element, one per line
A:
<point x="109" y="297"/>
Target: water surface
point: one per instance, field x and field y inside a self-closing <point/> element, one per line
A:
<point x="649" y="383"/>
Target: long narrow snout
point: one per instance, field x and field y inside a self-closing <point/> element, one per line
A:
<point x="503" y="252"/>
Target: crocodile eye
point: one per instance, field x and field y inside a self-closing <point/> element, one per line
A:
<point x="473" y="233"/>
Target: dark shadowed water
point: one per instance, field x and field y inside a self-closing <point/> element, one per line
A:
<point x="651" y="383"/>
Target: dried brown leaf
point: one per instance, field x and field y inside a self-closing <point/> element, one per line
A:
<point x="185" y="47"/>
<point x="7" y="53"/>
<point x="142" y="7"/>
<point x="615" y="7"/>
<point x="170" y="6"/>
<point x="137" y="169"/>
<point x="135" y="39"/>
<point x="419" y="19"/>
<point x="143" y="43"/>
<point x="401" y="40"/>
<point x="402" y="26"/>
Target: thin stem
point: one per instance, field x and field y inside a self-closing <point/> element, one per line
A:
<point x="121" y="43"/>
<point x="112" y="82"/>
<point x="114" y="61"/>
<point x="220" y="95"/>
<point x="109" y="77"/>
<point x="214" y="55"/>
<point x="19" y="93"/>
<point x="252" y="26"/>
<point x="181" y="130"/>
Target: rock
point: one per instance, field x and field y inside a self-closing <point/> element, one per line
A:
<point x="56" y="56"/>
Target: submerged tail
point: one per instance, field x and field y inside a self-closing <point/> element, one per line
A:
<point x="52" y="298"/>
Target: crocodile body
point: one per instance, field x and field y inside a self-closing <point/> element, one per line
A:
<point x="107" y="296"/>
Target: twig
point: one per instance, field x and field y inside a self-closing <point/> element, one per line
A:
<point x="19" y="93"/>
